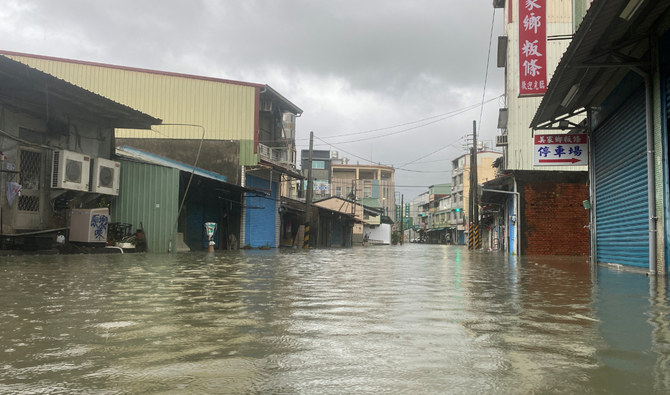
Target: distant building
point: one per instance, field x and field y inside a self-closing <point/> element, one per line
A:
<point x="355" y="182"/>
<point x="461" y="215"/>
<point x="321" y="172"/>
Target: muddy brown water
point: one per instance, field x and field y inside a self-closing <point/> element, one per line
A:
<point x="389" y="319"/>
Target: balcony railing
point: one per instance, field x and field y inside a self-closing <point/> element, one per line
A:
<point x="277" y="155"/>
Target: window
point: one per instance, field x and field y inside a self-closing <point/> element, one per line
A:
<point x="318" y="164"/>
<point x="367" y="189"/>
<point x="338" y="191"/>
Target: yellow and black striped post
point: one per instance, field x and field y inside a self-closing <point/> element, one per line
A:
<point x="478" y="238"/>
<point x="471" y="237"/>
<point x="305" y="244"/>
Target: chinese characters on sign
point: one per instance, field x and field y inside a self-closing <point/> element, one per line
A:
<point x="532" y="47"/>
<point x="561" y="150"/>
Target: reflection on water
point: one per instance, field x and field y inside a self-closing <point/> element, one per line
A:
<point x="410" y="319"/>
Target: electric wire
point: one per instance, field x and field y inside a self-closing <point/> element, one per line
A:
<point x="451" y="115"/>
<point x="486" y="74"/>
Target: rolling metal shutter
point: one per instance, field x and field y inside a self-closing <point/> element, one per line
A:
<point x="619" y="149"/>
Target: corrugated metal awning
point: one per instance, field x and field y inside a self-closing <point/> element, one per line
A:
<point x="134" y="153"/>
<point x="608" y="44"/>
<point x="34" y="92"/>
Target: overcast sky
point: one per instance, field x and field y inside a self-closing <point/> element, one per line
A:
<point x="384" y="81"/>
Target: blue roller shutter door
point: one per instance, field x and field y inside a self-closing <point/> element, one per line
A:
<point x="619" y="149"/>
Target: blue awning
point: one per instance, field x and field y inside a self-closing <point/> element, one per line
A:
<point x="134" y="153"/>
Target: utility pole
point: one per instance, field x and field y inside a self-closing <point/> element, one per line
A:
<point x="310" y="191"/>
<point x="475" y="178"/>
<point x="402" y="217"/>
<point x="474" y="237"/>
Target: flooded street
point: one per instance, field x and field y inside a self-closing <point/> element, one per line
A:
<point x="410" y="319"/>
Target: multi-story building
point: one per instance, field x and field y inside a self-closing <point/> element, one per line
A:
<point x="440" y="231"/>
<point x="321" y="172"/>
<point x="536" y="35"/>
<point x="355" y="182"/>
<point x="460" y="188"/>
<point x="516" y="138"/>
<point x="418" y="214"/>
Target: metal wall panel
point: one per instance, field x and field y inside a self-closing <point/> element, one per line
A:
<point x="620" y="167"/>
<point x="261" y="212"/>
<point x="148" y="195"/>
<point x="662" y="174"/>
<point x="225" y="110"/>
<point x="558" y="11"/>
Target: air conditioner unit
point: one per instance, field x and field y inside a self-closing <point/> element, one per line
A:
<point x="70" y="170"/>
<point x="105" y="176"/>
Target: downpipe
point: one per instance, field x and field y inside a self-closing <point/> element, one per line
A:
<point x="651" y="171"/>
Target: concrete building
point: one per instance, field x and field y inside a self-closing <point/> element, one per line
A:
<point x="321" y="172"/>
<point x="356" y="182"/>
<point x="514" y="119"/>
<point x="242" y="131"/>
<point x="538" y="31"/>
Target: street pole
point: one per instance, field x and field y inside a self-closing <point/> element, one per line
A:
<point x="402" y="217"/>
<point x="474" y="237"/>
<point x="475" y="178"/>
<point x="308" y="195"/>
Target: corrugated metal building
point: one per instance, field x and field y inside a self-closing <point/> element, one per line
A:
<point x="231" y="128"/>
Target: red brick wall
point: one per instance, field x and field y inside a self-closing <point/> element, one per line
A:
<point x="554" y="219"/>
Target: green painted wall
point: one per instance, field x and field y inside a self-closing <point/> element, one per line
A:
<point x="247" y="156"/>
<point x="148" y="195"/>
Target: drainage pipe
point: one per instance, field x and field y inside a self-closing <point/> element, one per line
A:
<point x="651" y="171"/>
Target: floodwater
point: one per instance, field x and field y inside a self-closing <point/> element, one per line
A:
<point x="415" y="319"/>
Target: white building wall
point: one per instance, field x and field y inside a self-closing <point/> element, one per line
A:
<point x="520" y="149"/>
<point x="379" y="233"/>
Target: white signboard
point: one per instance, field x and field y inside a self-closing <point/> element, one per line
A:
<point x="561" y="150"/>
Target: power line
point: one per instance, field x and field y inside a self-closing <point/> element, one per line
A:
<point x="429" y="154"/>
<point x="440" y="119"/>
<point x="423" y="171"/>
<point x="486" y="74"/>
<point x="432" y="120"/>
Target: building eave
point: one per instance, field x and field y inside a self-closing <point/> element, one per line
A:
<point x="604" y="48"/>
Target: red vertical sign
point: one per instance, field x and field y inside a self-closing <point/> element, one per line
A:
<point x="532" y="47"/>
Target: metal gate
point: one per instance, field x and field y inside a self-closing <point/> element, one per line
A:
<point x="30" y="206"/>
<point x="620" y="168"/>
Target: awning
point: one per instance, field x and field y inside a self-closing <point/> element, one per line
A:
<point x="32" y="91"/>
<point x="610" y="41"/>
<point x="134" y="153"/>
<point x="281" y="169"/>
<point x="502" y="183"/>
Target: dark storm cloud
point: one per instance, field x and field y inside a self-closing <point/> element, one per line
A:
<point x="350" y="65"/>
